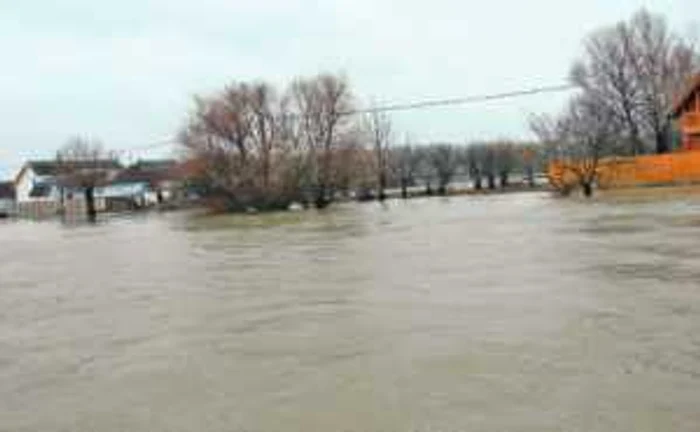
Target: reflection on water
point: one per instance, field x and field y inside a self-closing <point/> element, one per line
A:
<point x="516" y="312"/>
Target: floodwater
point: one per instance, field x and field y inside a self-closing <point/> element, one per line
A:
<point x="505" y="313"/>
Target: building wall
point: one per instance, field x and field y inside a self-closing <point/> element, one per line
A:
<point x="23" y="185"/>
<point x="28" y="178"/>
<point x="122" y="190"/>
<point x="49" y="206"/>
<point x="690" y="123"/>
<point x="26" y="182"/>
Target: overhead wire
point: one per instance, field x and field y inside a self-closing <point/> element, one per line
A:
<point x="408" y="106"/>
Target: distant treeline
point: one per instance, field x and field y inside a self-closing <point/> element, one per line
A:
<point x="256" y="146"/>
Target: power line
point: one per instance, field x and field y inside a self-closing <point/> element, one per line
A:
<point x="408" y="106"/>
<point x="462" y="100"/>
<point x="155" y="144"/>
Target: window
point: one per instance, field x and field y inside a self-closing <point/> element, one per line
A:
<point x="40" y="190"/>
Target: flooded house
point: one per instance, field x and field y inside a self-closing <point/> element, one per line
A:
<point x="143" y="184"/>
<point x="39" y="189"/>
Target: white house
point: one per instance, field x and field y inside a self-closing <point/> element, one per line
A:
<point x="37" y="181"/>
<point x="38" y="189"/>
<point x="7" y="199"/>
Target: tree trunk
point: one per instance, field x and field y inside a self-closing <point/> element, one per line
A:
<point x="62" y="209"/>
<point x="404" y="188"/>
<point x="90" y="203"/>
<point x="531" y="177"/>
<point x="319" y="199"/>
<point x="442" y="189"/>
<point x="381" y="195"/>
<point x="661" y="143"/>
<point x="477" y="183"/>
<point x="491" y="181"/>
<point x="321" y="202"/>
<point x="587" y="189"/>
<point x="428" y="189"/>
<point x="504" y="180"/>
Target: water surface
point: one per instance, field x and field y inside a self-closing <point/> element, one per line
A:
<point x="509" y="313"/>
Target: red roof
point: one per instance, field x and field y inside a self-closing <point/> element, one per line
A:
<point x="687" y="94"/>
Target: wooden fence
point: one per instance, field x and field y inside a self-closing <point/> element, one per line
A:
<point x="650" y="170"/>
<point x="44" y="209"/>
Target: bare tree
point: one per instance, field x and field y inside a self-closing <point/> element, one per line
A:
<point x="424" y="167"/>
<point x="84" y="165"/>
<point x="323" y="103"/>
<point x="663" y="62"/>
<point x="264" y="127"/>
<point x="607" y="73"/>
<point x="635" y="69"/>
<point x="444" y="161"/>
<point x="506" y="161"/>
<point x="352" y="165"/>
<point x="547" y="129"/>
<point x="488" y="165"/>
<point x="474" y="159"/>
<point x="220" y="134"/>
<point x="262" y="150"/>
<point x="407" y="161"/>
<point x="239" y="136"/>
<point x="587" y="133"/>
<point x="379" y="128"/>
<point x="529" y="156"/>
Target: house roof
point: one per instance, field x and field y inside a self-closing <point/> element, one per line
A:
<point x="136" y="175"/>
<point x="53" y="167"/>
<point x="693" y="86"/>
<point x="155" y="164"/>
<point x="149" y="171"/>
<point x="7" y="190"/>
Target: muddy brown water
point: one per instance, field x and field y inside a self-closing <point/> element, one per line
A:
<point x="503" y="313"/>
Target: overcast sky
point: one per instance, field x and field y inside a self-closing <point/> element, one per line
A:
<point x="126" y="70"/>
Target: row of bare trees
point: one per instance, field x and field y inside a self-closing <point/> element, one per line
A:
<point x="264" y="148"/>
<point x="484" y="165"/>
<point x="627" y="78"/>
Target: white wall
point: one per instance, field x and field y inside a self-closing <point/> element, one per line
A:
<point x="24" y="185"/>
<point x="122" y="190"/>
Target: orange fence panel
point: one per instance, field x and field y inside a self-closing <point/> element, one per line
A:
<point x="673" y="168"/>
